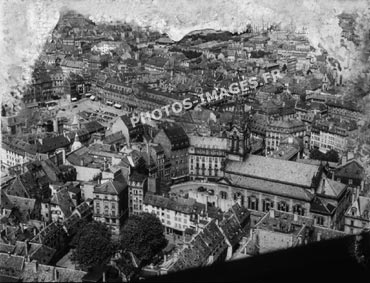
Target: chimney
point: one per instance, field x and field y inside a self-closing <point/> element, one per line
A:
<point x="36" y="266"/>
<point x="272" y="213"/>
<point x="55" y="126"/>
<point x="295" y="217"/>
<point x="56" y="275"/>
<point x="26" y="250"/>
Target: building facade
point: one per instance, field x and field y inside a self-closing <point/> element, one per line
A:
<point x="206" y="157"/>
<point x="110" y="204"/>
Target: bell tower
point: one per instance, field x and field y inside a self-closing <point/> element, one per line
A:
<point x="238" y="133"/>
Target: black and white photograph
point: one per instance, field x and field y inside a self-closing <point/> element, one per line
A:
<point x="185" y="141"/>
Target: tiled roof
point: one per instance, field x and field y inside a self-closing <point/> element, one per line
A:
<point x="280" y="171"/>
<point x="232" y="230"/>
<point x="200" y="248"/>
<point x="331" y="188"/>
<point x="110" y="187"/>
<point x="47" y="273"/>
<point x="317" y="206"/>
<point x="25" y="205"/>
<point x="13" y="262"/>
<point x="18" y="188"/>
<point x="127" y="121"/>
<point x="177" y="137"/>
<point x="352" y="169"/>
<point x="208" y="142"/>
<point x="157" y="62"/>
<point x="93" y="127"/>
<point x="186" y="206"/>
<point x="35" y="251"/>
<point x="62" y="199"/>
<point x="270" y="187"/>
<point x="51" y="144"/>
<point x="6" y="248"/>
<point x="114" y="138"/>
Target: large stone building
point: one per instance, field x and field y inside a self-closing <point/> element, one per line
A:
<point x="357" y="217"/>
<point x="206" y="157"/>
<point x="110" y="204"/>
<point x="327" y="135"/>
<point x="176" y="214"/>
<point x="279" y="130"/>
<point x="175" y="143"/>
<point x="138" y="187"/>
<point x="262" y="183"/>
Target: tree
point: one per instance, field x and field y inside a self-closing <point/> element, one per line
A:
<point x="316" y="154"/>
<point x="93" y="244"/>
<point x="3" y="111"/>
<point x="143" y="236"/>
<point x="332" y="156"/>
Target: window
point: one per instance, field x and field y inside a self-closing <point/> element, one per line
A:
<point x="266" y="205"/>
<point x="298" y="209"/>
<point x="283" y="206"/>
<point x="252" y="203"/>
<point x="223" y="195"/>
<point x="320" y="220"/>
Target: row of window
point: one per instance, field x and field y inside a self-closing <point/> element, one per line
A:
<point x="267" y="204"/>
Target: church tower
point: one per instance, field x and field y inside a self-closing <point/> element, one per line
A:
<point x="76" y="144"/>
<point x="238" y="133"/>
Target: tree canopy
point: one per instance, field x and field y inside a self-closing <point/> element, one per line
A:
<point x="143" y="236"/>
<point x="93" y="244"/>
<point x="331" y="155"/>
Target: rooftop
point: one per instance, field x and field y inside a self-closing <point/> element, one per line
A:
<point x="280" y="171"/>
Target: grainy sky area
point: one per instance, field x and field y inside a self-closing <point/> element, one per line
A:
<point x="25" y="25"/>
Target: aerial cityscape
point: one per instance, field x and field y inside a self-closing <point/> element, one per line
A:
<point x="134" y="156"/>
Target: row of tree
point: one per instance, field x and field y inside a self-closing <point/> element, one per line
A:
<point x="141" y="239"/>
<point x="331" y="155"/>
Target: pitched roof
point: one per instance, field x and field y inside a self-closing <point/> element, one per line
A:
<point x="270" y="187"/>
<point x="331" y="188"/>
<point x="53" y="143"/>
<point x="110" y="187"/>
<point x="186" y="206"/>
<point x="93" y="127"/>
<point x="47" y="273"/>
<point x="12" y="262"/>
<point x="25" y="205"/>
<point x="208" y="142"/>
<point x="18" y="188"/>
<point x="352" y="169"/>
<point x="360" y="208"/>
<point x="62" y="199"/>
<point x="6" y="248"/>
<point x="280" y="171"/>
<point x="127" y="121"/>
<point x="200" y="248"/>
<point x="318" y="206"/>
<point x="177" y="137"/>
<point x="114" y="138"/>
